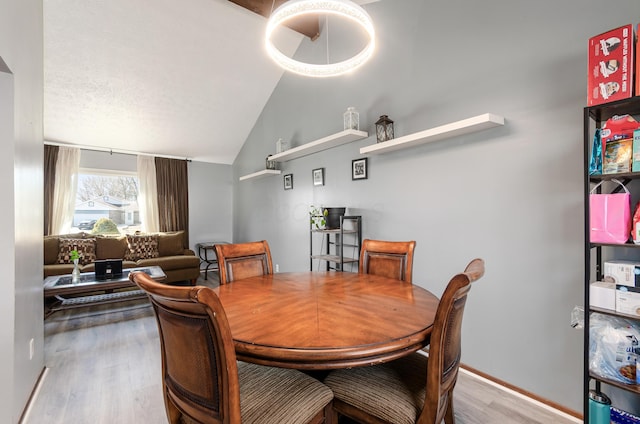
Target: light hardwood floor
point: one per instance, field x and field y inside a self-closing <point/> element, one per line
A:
<point x="103" y="366"/>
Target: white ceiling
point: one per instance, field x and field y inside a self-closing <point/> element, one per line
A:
<point x="182" y="78"/>
<point x="177" y="78"/>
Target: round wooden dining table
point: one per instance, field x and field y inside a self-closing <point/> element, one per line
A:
<point x="326" y="320"/>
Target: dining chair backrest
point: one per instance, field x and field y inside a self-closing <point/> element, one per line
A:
<point x="243" y="260"/>
<point x="393" y="259"/>
<point x="199" y="368"/>
<point x="413" y="388"/>
<point x="445" y="348"/>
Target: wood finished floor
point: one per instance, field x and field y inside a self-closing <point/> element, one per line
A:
<point x="103" y="366"/>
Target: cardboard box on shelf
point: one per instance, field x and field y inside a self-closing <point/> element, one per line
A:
<point x="628" y="300"/>
<point x="610" y="63"/>
<point x="618" y="416"/>
<point x="626" y="273"/>
<point x="602" y="294"/>
<point x="635" y="162"/>
<point x="617" y="156"/>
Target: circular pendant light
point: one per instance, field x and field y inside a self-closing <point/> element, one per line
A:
<point x="344" y="8"/>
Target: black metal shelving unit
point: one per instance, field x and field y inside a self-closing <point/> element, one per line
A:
<point x="334" y="242"/>
<point x="594" y="253"/>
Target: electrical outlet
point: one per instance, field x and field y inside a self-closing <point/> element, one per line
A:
<point x="32" y="348"/>
<point x="277" y="268"/>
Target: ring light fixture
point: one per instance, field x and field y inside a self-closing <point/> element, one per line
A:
<point x="343" y="8"/>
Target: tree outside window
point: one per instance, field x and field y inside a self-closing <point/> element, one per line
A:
<point x="107" y="195"/>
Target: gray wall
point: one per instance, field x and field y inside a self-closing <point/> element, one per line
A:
<point x="22" y="193"/>
<point x="210" y="202"/>
<point x="511" y="195"/>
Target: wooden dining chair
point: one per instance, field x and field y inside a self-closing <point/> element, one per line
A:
<point x="243" y="260"/>
<point x="202" y="381"/>
<point x="393" y="259"/>
<point x="412" y="389"/>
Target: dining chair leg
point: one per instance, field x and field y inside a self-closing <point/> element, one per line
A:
<point x="449" y="417"/>
<point x="330" y="414"/>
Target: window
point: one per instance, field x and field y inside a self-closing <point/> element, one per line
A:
<point x="107" y="194"/>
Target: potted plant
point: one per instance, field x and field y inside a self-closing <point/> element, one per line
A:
<point x="318" y="217"/>
<point x="333" y="217"/>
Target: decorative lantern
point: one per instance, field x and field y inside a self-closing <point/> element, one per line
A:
<point x="351" y="119"/>
<point x="384" y="129"/>
<point x="271" y="164"/>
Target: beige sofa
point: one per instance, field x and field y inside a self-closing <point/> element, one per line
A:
<point x="165" y="250"/>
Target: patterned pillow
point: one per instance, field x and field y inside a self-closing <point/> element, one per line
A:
<point x="85" y="247"/>
<point x="142" y="247"/>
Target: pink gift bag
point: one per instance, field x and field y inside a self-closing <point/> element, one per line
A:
<point x="610" y="216"/>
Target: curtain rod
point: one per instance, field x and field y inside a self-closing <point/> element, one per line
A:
<point x="111" y="151"/>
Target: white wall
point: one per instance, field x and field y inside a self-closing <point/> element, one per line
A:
<point x="7" y="253"/>
<point x="22" y="195"/>
<point x="511" y="195"/>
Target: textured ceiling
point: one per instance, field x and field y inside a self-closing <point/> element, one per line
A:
<point x="182" y="78"/>
<point x="177" y="78"/>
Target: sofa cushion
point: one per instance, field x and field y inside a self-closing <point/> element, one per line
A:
<point x="168" y="263"/>
<point x="51" y="249"/>
<point x="85" y="247"/>
<point x="111" y="247"/>
<point x="142" y="247"/>
<point x="171" y="244"/>
<point x="92" y="267"/>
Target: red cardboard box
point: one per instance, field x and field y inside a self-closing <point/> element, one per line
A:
<point x="611" y="66"/>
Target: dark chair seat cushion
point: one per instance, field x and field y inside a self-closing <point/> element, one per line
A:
<point x="393" y="391"/>
<point x="270" y="395"/>
<point x="277" y="396"/>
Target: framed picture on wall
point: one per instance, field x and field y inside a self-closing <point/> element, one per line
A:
<point x="359" y="169"/>
<point x="318" y="176"/>
<point x="288" y="181"/>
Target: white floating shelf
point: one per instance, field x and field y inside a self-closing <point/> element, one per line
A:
<point x="335" y="140"/>
<point x="261" y="174"/>
<point x="465" y="126"/>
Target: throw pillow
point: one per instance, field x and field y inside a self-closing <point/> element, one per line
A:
<point x="85" y="247"/>
<point x="111" y="247"/>
<point x="142" y="247"/>
<point x="171" y="244"/>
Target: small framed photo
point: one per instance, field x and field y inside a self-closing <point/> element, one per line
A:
<point x="359" y="169"/>
<point x="288" y="181"/>
<point x="318" y="177"/>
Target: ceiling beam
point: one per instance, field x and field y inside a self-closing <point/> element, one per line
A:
<point x="306" y="25"/>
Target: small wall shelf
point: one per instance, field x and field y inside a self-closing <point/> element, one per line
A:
<point x="261" y="174"/>
<point x="335" y="140"/>
<point x="465" y="126"/>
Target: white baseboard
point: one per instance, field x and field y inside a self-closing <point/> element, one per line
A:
<point x="24" y="419"/>
<point x="524" y="397"/>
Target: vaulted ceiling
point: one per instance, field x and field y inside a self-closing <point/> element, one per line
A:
<point x="176" y="78"/>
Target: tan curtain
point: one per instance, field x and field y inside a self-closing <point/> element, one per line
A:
<point x="148" y="194"/>
<point x="50" y="159"/>
<point x="64" y="196"/>
<point x="173" y="196"/>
